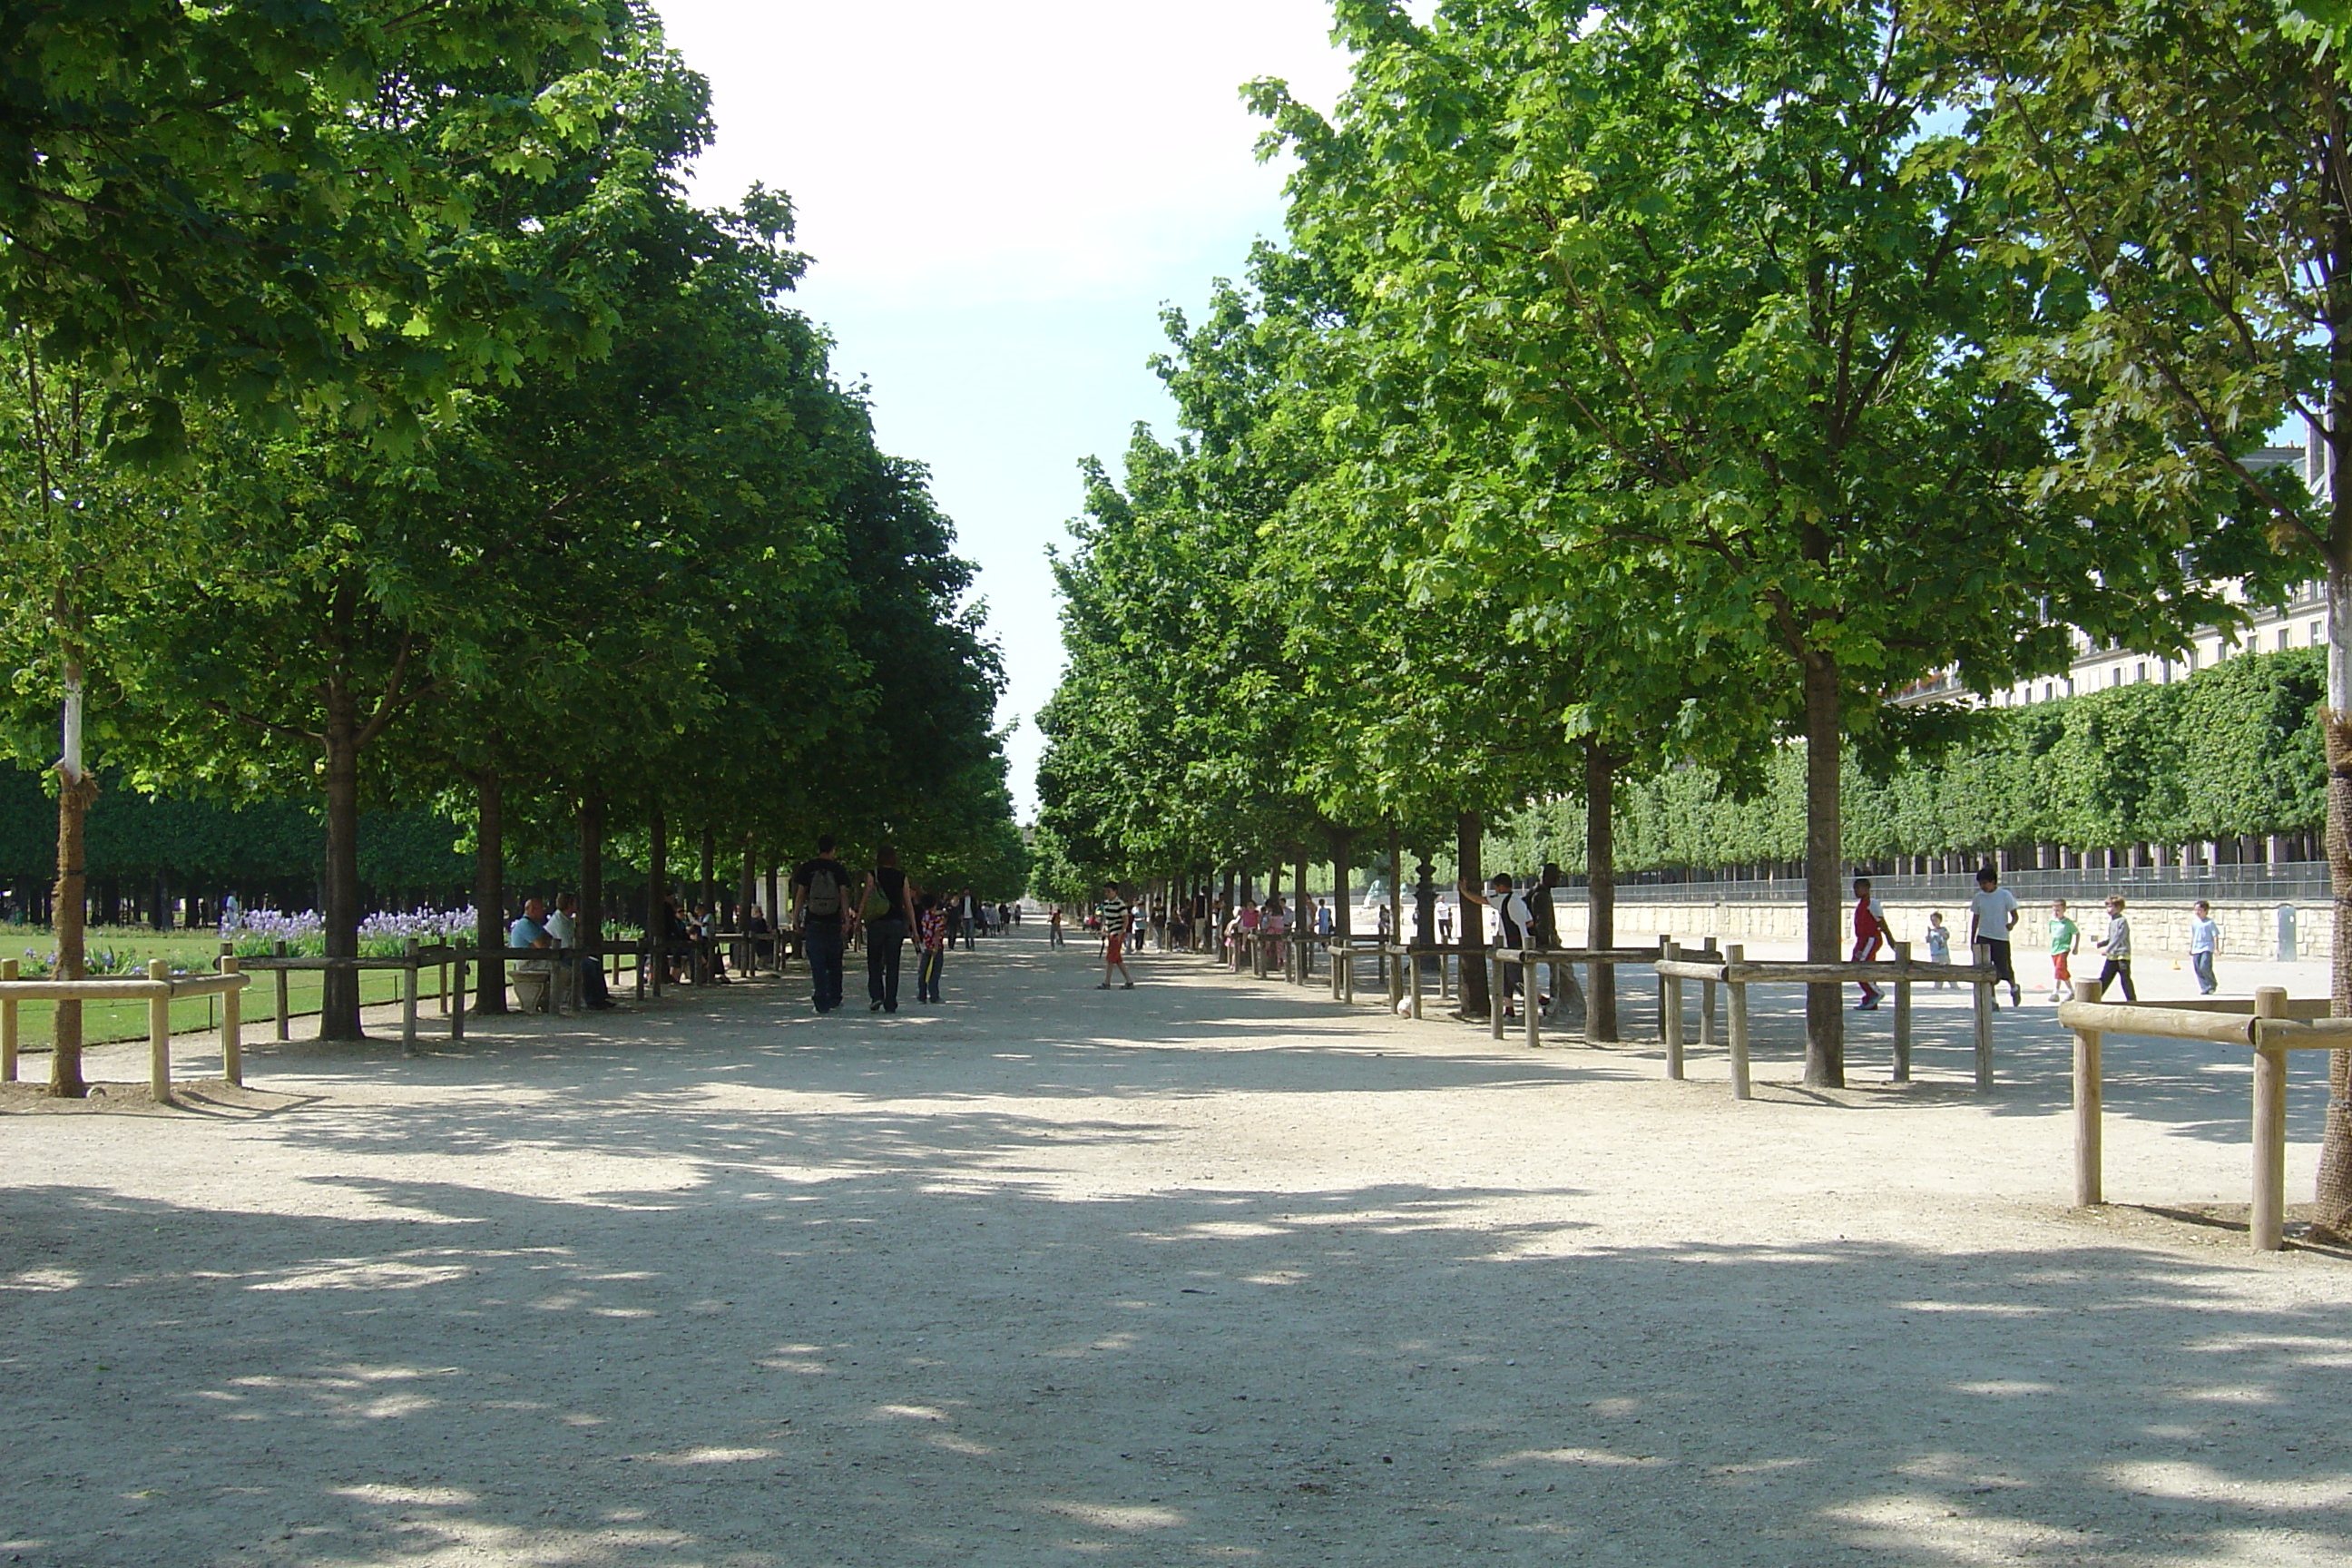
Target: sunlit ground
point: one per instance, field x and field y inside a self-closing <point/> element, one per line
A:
<point x="1209" y="1271"/>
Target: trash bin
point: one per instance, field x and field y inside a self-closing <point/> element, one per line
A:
<point x="2287" y="933"/>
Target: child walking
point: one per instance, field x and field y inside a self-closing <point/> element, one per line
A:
<point x="1939" y="945"/>
<point x="2204" y="942"/>
<point x="2117" y="945"/>
<point x="931" y="947"/>
<point x="2066" y="941"/>
<point x="1113" y="913"/>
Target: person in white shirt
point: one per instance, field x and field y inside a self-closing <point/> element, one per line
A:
<point x="1508" y="918"/>
<point x="563" y="929"/>
<point x="1992" y="914"/>
<point x="2204" y="942"/>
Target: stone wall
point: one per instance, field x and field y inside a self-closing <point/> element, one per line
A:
<point x="2159" y="926"/>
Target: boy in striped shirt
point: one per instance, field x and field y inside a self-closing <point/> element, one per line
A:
<point x="1112" y="912"/>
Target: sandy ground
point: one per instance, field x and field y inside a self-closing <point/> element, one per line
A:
<point x="1207" y="1271"/>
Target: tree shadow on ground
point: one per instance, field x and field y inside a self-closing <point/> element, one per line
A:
<point x="858" y="1340"/>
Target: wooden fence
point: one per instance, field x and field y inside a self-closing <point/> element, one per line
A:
<point x="2267" y="1027"/>
<point x="159" y="989"/>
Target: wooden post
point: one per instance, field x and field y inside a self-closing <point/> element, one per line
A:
<point x="278" y="949"/>
<point x="7" y="1026"/>
<point x="441" y="980"/>
<point x="2267" y="1225"/>
<point x="2090" y="1179"/>
<point x="1494" y="989"/>
<point x="1416" y="963"/>
<point x="1741" y="1086"/>
<point x="1984" y="1036"/>
<point x="1902" y="1017"/>
<point x="159" y="1034"/>
<point x="1706" y="1002"/>
<point x="457" y="995"/>
<point x="1670" y="1009"/>
<point x="1666" y="940"/>
<point x="232" y="1025"/>
<point x="408" y="1002"/>
<point x="1347" y="986"/>
<point x="1531" y="993"/>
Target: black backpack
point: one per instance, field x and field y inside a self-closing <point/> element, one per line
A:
<point x="824" y="892"/>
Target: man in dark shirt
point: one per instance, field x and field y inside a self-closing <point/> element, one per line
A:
<point x="821" y="914"/>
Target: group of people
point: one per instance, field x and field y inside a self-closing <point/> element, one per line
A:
<point x="885" y="910"/>
<point x="537" y="931"/>
<point x="1993" y="917"/>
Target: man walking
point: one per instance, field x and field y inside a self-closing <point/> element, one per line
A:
<point x="820" y="914"/>
<point x="1992" y="914"/>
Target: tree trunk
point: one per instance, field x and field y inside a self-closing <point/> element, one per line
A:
<point x="1824" y="867"/>
<point x="711" y="871"/>
<point x="657" y="878"/>
<point x="592" y="869"/>
<point x="2334" y="1187"/>
<point x="1343" y="851"/>
<point x="747" y="890"/>
<point x="1470" y="931"/>
<point x="76" y="790"/>
<point x="1600" y="886"/>
<point x="1396" y="882"/>
<point x="489" y="888"/>
<point x="338" y="1007"/>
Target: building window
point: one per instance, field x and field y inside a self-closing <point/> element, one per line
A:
<point x="2282" y="639"/>
<point x="2317" y="634"/>
<point x="2116" y="676"/>
<point x="2192" y="656"/>
<point x="2141" y="672"/>
<point x="2070" y="686"/>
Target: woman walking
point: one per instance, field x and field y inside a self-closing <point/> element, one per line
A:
<point x="883" y="909"/>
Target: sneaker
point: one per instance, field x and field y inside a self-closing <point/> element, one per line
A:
<point x="874" y="1006"/>
<point x="1104" y="986"/>
<point x="2015" y="998"/>
<point x="1128" y="986"/>
<point x="1866" y="1007"/>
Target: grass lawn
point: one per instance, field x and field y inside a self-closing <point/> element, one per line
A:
<point x="104" y="1022"/>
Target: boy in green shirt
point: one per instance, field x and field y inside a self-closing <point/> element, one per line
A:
<point x="2066" y="940"/>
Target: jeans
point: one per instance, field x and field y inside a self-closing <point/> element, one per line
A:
<point x="2202" y="963"/>
<point x="927" y="975"/>
<point x="2118" y="968"/>
<point x="822" y="942"/>
<point x="884" y="939"/>
<point x="1055" y="932"/>
<point x="592" y="984"/>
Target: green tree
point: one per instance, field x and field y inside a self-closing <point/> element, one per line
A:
<point x="2181" y="173"/>
<point x="1722" y="287"/>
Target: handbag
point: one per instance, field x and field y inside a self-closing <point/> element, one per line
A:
<point x="877" y="905"/>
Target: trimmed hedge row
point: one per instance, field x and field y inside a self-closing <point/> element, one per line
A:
<point x="2233" y="749"/>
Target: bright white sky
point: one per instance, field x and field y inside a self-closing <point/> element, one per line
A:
<point x="999" y="199"/>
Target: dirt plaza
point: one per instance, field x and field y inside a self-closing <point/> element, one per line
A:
<point x="1209" y="1271"/>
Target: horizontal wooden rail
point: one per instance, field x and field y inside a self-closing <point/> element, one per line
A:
<point x="159" y="989"/>
<point x="2262" y="1026"/>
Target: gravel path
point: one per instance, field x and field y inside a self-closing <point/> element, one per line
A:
<point x="1207" y="1271"/>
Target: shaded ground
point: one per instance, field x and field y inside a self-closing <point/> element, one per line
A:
<point x="1208" y="1271"/>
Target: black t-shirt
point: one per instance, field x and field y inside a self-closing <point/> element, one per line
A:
<point x="808" y="869"/>
<point x="893" y="883"/>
